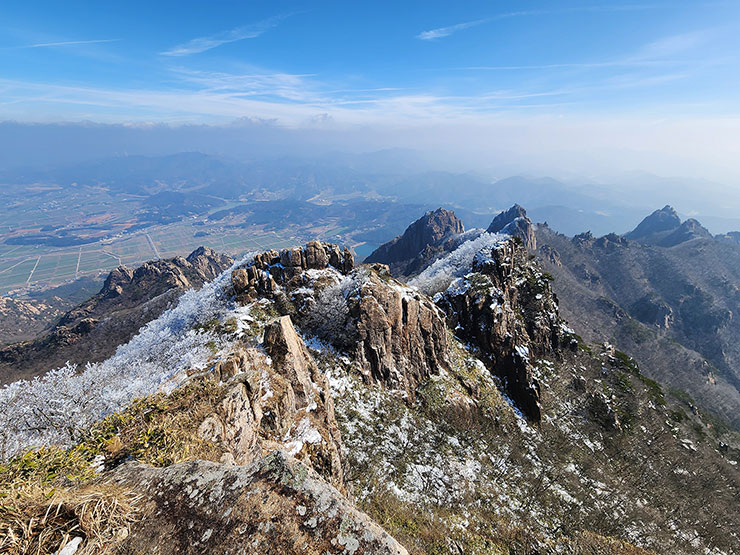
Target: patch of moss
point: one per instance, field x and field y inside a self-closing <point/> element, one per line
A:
<point x="654" y="391"/>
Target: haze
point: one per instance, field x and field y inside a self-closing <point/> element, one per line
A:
<point x="588" y="92"/>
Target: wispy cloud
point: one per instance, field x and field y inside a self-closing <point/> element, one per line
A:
<point x="442" y="32"/>
<point x="447" y="31"/>
<point x="201" y="44"/>
<point x="68" y="43"/>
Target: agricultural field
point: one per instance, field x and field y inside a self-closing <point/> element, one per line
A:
<point x="32" y="267"/>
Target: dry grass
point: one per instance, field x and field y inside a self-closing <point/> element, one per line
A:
<point x="43" y="520"/>
<point x="159" y="430"/>
<point x="49" y="496"/>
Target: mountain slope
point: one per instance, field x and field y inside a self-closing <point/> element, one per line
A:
<point x="672" y="308"/>
<point x="422" y="241"/>
<point x="129" y="299"/>
<point x="326" y="378"/>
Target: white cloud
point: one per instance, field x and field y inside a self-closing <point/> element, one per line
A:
<point x="442" y="32"/>
<point x="68" y="43"/>
<point x="447" y="31"/>
<point x="201" y="44"/>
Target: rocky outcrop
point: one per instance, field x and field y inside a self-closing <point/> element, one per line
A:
<point x="401" y="337"/>
<point x="652" y="310"/>
<point x="271" y="269"/>
<point x="22" y="319"/>
<point x="276" y="505"/>
<point x="516" y="223"/>
<point x="422" y="242"/>
<point x="129" y="299"/>
<point x="280" y="402"/>
<point x="397" y="334"/>
<point x="664" y="220"/>
<point x="506" y="307"/>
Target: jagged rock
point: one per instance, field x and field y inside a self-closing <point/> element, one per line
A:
<point x="610" y="241"/>
<point x="551" y="255"/>
<point x="665" y="219"/>
<point x="583" y="239"/>
<point x="128" y="300"/>
<point x="422" y="241"/>
<point x="401" y="335"/>
<point x="507" y="308"/>
<point x="505" y="218"/>
<point x="276" y="505"/>
<point x="516" y="223"/>
<point x="281" y="402"/>
<point x="397" y="333"/>
<point x="270" y="269"/>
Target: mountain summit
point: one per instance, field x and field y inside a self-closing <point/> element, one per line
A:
<point x="422" y="239"/>
<point x="516" y="223"/>
<point x="665" y="219"/>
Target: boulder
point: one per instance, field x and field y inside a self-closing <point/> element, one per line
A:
<point x="276" y="505"/>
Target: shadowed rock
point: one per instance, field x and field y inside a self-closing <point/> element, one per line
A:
<point x="506" y="308"/>
<point x="660" y="221"/>
<point x="422" y="241"/>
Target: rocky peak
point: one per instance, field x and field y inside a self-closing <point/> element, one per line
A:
<point x="507" y="309"/>
<point x="423" y="239"/>
<point x="688" y="230"/>
<point x="505" y="218"/>
<point x="665" y="219"/>
<point x="516" y="223"/>
<point x="396" y="334"/>
<point x="271" y="269"/>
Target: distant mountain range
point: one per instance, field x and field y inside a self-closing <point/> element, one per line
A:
<point x="569" y="207"/>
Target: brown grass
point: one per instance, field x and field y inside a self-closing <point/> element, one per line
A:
<point x="42" y="521"/>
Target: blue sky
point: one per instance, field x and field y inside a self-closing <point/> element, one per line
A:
<point x="367" y="62"/>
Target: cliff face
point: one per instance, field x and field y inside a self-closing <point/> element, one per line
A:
<point x="506" y="308"/>
<point x="422" y="241"/>
<point x="128" y="300"/>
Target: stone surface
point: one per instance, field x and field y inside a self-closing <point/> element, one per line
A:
<point x="277" y="399"/>
<point x="401" y="335"/>
<point x="269" y="269"/>
<point x="276" y="505"/>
